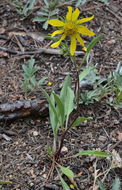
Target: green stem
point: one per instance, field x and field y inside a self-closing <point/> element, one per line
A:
<point x="77" y="85"/>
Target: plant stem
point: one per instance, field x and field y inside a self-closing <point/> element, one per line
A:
<point x="77" y="85"/>
<point x="62" y="140"/>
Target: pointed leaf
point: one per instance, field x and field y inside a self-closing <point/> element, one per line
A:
<point x="33" y="81"/>
<point x="67" y="172"/>
<point x="31" y="63"/>
<point x="45" y="25"/>
<point x="90" y="46"/>
<point x="92" y="153"/>
<point x="49" y="101"/>
<point x="69" y="104"/>
<point x="53" y="117"/>
<point x="47" y="3"/>
<point x="67" y="83"/>
<point x="93" y="42"/>
<point x="54" y="12"/>
<point x="43" y="13"/>
<point x="41" y="81"/>
<point x="60" y="108"/>
<point x="80" y="120"/>
<point x="40" y="19"/>
<point x="5" y="182"/>
<point x="84" y="73"/>
<point x="64" y="184"/>
<point x="101" y="185"/>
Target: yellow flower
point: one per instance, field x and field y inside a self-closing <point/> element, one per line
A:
<point x="49" y="83"/>
<point x="71" y="27"/>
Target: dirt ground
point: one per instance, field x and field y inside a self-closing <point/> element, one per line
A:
<point x="23" y="156"/>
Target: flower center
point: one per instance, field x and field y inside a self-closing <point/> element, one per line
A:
<point x="70" y="28"/>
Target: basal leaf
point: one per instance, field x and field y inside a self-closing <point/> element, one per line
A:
<point x="80" y="120"/>
<point x="49" y="101"/>
<point x="67" y="83"/>
<point x="92" y="153"/>
<point x="60" y="107"/>
<point x="64" y="184"/>
<point x="53" y="116"/>
<point x="67" y="172"/>
<point x="68" y="103"/>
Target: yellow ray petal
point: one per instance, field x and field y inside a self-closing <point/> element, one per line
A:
<point x="56" y="44"/>
<point x="85" y="31"/>
<point x="57" y="32"/>
<point x="80" y="40"/>
<point x="75" y="14"/>
<point x="84" y="20"/>
<point x="55" y="22"/>
<point x="73" y="44"/>
<point x="69" y="14"/>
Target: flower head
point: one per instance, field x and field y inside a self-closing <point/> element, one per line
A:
<point x="71" y="27"/>
<point x="49" y="83"/>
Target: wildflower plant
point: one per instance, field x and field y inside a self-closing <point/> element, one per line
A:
<point x="61" y="106"/>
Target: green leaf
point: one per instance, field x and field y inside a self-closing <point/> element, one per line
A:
<point x="93" y="42"/>
<point x="50" y="152"/>
<point x="25" y="69"/>
<point x="44" y="9"/>
<point x="47" y="3"/>
<point x="84" y="73"/>
<point x="33" y="81"/>
<point x="67" y="172"/>
<point x="52" y="111"/>
<point x="92" y="153"/>
<point x="90" y="46"/>
<point x="5" y="182"/>
<point x="68" y="103"/>
<point x="31" y="63"/>
<point x="54" y="12"/>
<point x="40" y="19"/>
<point x="41" y="81"/>
<point x="64" y="184"/>
<point x="53" y="119"/>
<point x="67" y="83"/>
<point x="101" y="185"/>
<point x="105" y="1"/>
<point x="80" y="120"/>
<point x="60" y="108"/>
<point x="42" y="13"/>
<point x="30" y="87"/>
<point x="78" y="2"/>
<point x="45" y="25"/>
<point x="49" y="101"/>
<point x="116" y="184"/>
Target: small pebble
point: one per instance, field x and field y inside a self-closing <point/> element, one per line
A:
<point x="110" y="42"/>
<point x="44" y="176"/>
<point x="64" y="149"/>
<point x="35" y="133"/>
